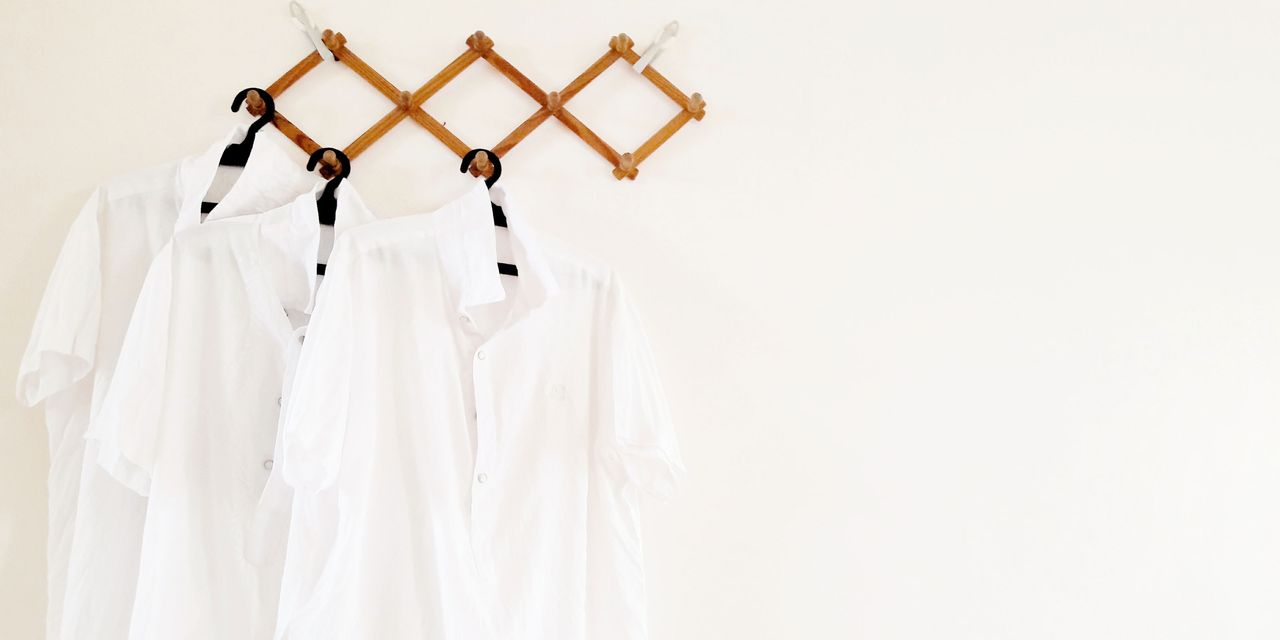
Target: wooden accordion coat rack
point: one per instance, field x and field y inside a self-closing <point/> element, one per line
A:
<point x="480" y="46"/>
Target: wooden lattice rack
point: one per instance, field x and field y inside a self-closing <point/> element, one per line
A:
<point x="480" y="46"/>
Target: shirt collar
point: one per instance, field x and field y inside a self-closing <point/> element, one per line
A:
<point x="293" y="241"/>
<point x="466" y="242"/>
<point x="269" y="179"/>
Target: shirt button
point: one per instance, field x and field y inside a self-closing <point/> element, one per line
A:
<point x="464" y="319"/>
<point x="482" y="478"/>
<point x="268" y="463"/>
<point x="480" y="355"/>
<point x="279" y="400"/>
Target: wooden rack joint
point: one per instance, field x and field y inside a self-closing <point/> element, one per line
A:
<point x="480" y="166"/>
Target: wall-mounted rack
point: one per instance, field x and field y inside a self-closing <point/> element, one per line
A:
<point x="481" y="47"/>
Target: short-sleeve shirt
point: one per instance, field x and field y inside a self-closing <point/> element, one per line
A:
<point x="191" y="417"/>
<point x="72" y="354"/>
<point x="468" y="448"/>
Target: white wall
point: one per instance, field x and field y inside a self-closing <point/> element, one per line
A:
<point x="968" y="310"/>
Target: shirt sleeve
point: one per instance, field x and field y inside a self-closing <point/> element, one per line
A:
<point x="65" y="335"/>
<point x="128" y="425"/>
<point x="316" y="411"/>
<point x="639" y="434"/>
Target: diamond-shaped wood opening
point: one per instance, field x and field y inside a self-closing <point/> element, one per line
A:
<point x="336" y="43"/>
<point x="480" y="106"/>
<point x="332" y="104"/>
<point x="623" y="107"/>
<point x="480" y="47"/>
<point x="692" y="107"/>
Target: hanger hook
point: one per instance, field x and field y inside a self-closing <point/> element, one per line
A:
<point x="491" y="157"/>
<point x="268" y="111"/>
<point x="343" y="161"/>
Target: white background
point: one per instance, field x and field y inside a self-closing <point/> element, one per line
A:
<point x="968" y="311"/>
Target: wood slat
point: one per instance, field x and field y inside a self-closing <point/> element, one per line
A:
<point x="588" y="136"/>
<point x="367" y="72"/>
<point x="370" y="136"/>
<point x="598" y="67"/>
<point x="438" y="130"/>
<point x="292" y="132"/>
<point x="519" y="133"/>
<point x="293" y="75"/>
<point x="658" y="79"/>
<point x="419" y="115"/>
<point x="445" y="76"/>
<point x="519" y="79"/>
<point x="657" y="139"/>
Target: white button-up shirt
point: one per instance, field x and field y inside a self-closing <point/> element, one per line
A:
<point x="191" y="417"/>
<point x="94" y="524"/>
<point x="467" y="447"/>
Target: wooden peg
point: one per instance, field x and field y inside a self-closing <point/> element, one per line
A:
<point x="626" y="167"/>
<point x="480" y="43"/>
<point x="254" y="102"/>
<point x="554" y="102"/>
<point x="621" y="43"/>
<point x="480" y="166"/>
<point x="335" y="41"/>
<point x="696" y="106"/>
<point x="329" y="165"/>
<point x="406" y="99"/>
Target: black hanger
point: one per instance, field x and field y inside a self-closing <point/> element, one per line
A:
<point x="327" y="203"/>
<point x="499" y="218"/>
<point x="237" y="154"/>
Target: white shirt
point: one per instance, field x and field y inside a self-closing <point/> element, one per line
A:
<point x="72" y="355"/>
<point x="191" y="417"/>
<point x="467" y="447"/>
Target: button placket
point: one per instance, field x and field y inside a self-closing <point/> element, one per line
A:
<point x="483" y="472"/>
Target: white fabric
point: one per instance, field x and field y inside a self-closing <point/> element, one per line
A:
<point x="94" y="525"/>
<point x="466" y="447"/>
<point x="191" y="417"/>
